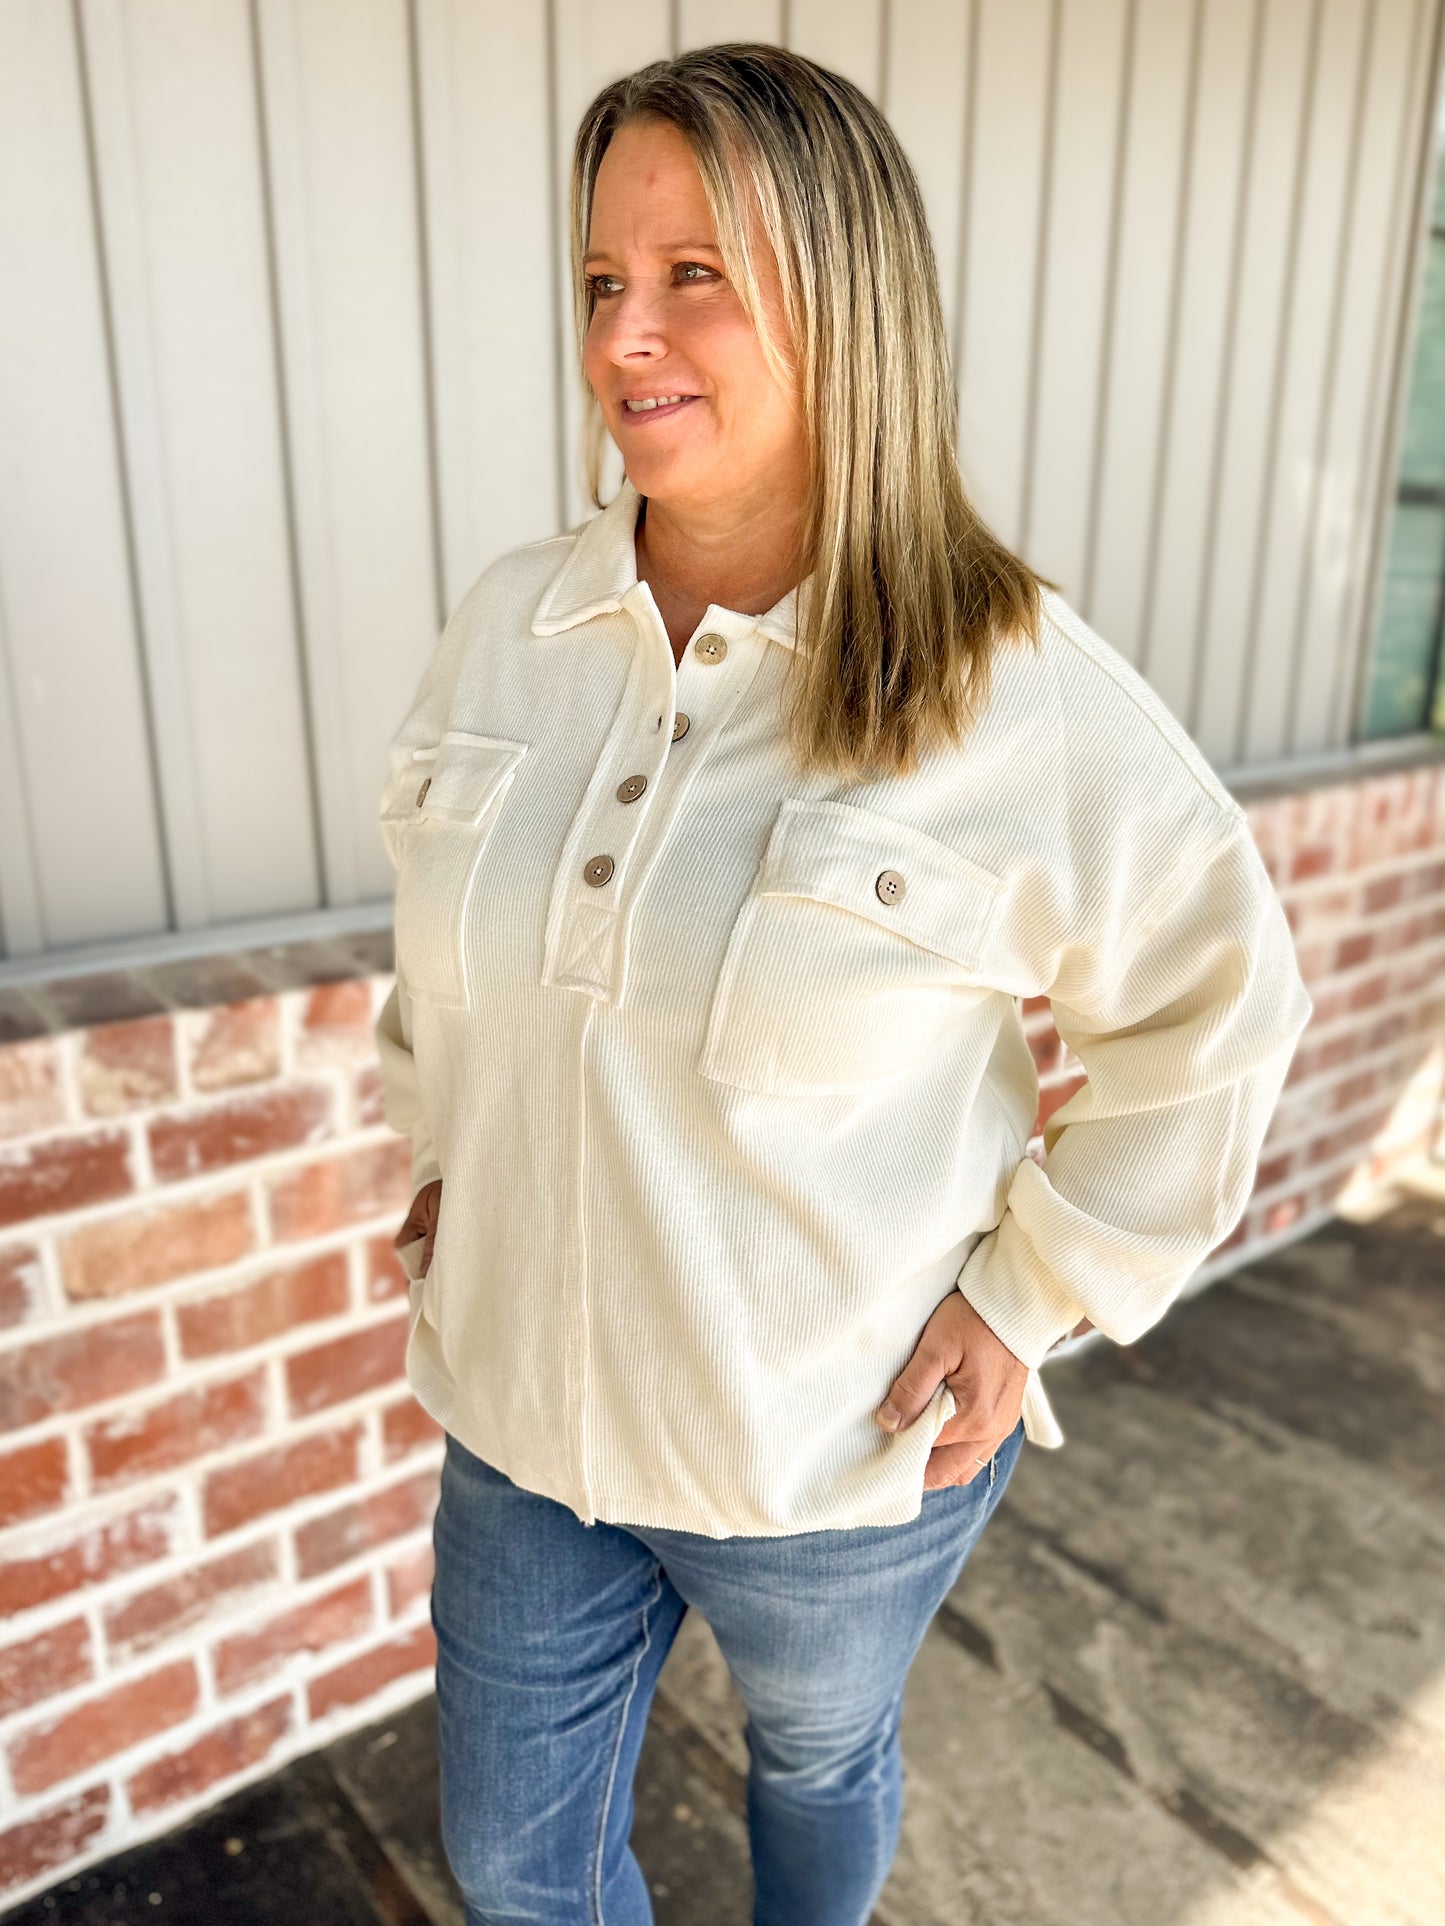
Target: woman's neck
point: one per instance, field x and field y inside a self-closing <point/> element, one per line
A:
<point x="746" y="559"/>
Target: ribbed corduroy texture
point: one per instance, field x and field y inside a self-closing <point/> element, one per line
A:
<point x="719" y="1132"/>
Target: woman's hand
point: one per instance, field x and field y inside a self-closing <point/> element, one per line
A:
<point x="421" y="1221"/>
<point x="956" y="1347"/>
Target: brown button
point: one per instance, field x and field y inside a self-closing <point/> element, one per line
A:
<point x="421" y="793"/>
<point x="710" y="648"/>
<point x="598" y="870"/>
<point x="630" y="790"/>
<point x="679" y="726"/>
<point x="889" y="887"/>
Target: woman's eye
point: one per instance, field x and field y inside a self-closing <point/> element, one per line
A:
<point x="692" y="273"/>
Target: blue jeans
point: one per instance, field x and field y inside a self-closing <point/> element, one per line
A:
<point x="550" y="1638"/>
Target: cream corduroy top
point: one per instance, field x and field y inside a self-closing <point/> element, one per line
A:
<point x="723" y="1067"/>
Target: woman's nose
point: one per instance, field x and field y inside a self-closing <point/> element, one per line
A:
<point x="630" y="326"/>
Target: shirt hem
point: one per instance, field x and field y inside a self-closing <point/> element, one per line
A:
<point x="435" y="1390"/>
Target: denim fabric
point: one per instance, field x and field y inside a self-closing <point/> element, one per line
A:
<point x="550" y="1638"/>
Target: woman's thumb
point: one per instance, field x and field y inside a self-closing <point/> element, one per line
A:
<point x="908" y="1393"/>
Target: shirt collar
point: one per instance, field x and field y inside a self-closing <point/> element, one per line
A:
<point x="601" y="569"/>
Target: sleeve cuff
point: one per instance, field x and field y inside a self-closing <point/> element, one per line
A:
<point x="1020" y="1301"/>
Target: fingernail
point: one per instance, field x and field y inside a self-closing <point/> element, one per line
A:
<point x="889" y="1416"/>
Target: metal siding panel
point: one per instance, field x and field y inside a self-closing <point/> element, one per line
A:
<point x="341" y="157"/>
<point x="80" y="854"/>
<point x="927" y="99"/>
<point x="1142" y="318"/>
<point x="182" y="206"/>
<point x="704" y="23"/>
<point x="495" y="329"/>
<point x="845" y="36"/>
<point x="1256" y="335"/>
<point x="1210" y="244"/>
<point x="1316" y="267"/>
<point x="1005" y="195"/>
<point x="1074" y="295"/>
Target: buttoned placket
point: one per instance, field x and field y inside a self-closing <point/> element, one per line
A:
<point x="670" y="715"/>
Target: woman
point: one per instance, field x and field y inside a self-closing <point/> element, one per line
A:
<point x="730" y="827"/>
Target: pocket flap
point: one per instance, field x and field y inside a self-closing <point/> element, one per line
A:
<point x="402" y="786"/>
<point x="464" y="777"/>
<point x="835" y="853"/>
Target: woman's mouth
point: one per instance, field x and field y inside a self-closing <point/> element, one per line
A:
<point x="654" y="408"/>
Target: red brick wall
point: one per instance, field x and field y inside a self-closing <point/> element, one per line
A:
<point x="215" y="1489"/>
<point x="1360" y="868"/>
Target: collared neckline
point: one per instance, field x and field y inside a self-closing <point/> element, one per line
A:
<point x="601" y="570"/>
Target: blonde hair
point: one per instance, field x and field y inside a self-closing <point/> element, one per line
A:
<point x="910" y="591"/>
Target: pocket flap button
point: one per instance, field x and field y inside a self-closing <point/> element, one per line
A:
<point x="598" y="870"/>
<point x="421" y="793"/>
<point x="890" y="886"/>
<point x="630" y="790"/>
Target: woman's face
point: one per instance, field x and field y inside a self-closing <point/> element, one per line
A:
<point x="667" y="322"/>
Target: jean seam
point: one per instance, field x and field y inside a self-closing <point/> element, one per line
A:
<point x="617" y="1746"/>
<point x="876" y="1813"/>
<point x="895" y="1708"/>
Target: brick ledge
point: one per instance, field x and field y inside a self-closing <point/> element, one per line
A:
<point x="117" y="991"/>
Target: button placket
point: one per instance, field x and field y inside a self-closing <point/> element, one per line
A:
<point x="707" y="649"/>
<point x="592" y="889"/>
<point x="628" y="810"/>
<point x="710" y="687"/>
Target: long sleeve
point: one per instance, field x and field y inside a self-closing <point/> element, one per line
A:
<point x="1186" y="1029"/>
<point x="401" y="1092"/>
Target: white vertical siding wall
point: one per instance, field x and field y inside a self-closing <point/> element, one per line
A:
<point x="169" y="92"/>
<point x="77" y="729"/>
<point x="286" y="359"/>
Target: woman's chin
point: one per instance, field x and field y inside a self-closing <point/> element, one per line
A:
<point x="664" y="480"/>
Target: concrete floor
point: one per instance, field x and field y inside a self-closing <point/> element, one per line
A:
<point x="1192" y="1675"/>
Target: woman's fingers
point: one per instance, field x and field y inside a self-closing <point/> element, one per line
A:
<point x="956" y="1464"/>
<point x="421" y="1219"/>
<point x="412" y="1228"/>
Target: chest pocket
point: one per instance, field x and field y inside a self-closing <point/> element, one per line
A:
<point x="437" y="817"/>
<point x="860" y="942"/>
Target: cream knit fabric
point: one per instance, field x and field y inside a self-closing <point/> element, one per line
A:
<point x="723" y="1066"/>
